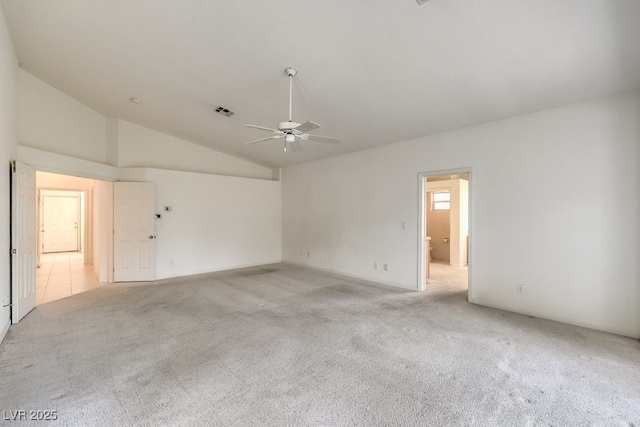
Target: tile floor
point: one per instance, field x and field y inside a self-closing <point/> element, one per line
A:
<point x="63" y="274"/>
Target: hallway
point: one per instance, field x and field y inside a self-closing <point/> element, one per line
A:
<point x="63" y="274"/>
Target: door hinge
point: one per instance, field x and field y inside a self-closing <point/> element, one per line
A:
<point x="13" y="251"/>
<point x="13" y="166"/>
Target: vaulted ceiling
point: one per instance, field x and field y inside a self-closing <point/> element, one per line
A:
<point x="371" y="72"/>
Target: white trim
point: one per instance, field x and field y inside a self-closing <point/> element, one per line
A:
<point x="215" y="270"/>
<point x="352" y="276"/>
<point x="561" y="319"/>
<point x="57" y="163"/>
<point x="4" y="331"/>
<point x="421" y="284"/>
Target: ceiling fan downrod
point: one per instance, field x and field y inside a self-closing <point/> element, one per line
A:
<point x="290" y="72"/>
<point x="291" y="131"/>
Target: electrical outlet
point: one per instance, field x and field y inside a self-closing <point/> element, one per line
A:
<point x="520" y="288"/>
<point x="385" y="267"/>
<point x="375" y="265"/>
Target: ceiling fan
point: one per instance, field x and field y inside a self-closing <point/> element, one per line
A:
<point x="290" y="131"/>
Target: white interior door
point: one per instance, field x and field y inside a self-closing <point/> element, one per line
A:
<point x="60" y="223"/>
<point x="134" y="231"/>
<point x="23" y="240"/>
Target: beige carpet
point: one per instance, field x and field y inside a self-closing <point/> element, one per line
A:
<point x="446" y="278"/>
<point x="283" y="345"/>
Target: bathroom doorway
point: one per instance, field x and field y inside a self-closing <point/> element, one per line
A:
<point x="445" y="232"/>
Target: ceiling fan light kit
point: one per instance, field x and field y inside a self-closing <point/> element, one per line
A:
<point x="290" y="131"/>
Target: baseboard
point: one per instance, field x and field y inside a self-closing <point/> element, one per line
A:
<point x="326" y="270"/>
<point x="95" y="273"/>
<point x="215" y="270"/>
<point x="353" y="276"/>
<point x="561" y="319"/>
<point x="4" y="331"/>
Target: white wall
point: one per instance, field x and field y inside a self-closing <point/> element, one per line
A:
<point x="58" y="134"/>
<point x="55" y="122"/>
<point x="66" y="165"/>
<point x="216" y="223"/>
<point x="102" y="220"/>
<point x="8" y="142"/>
<point x="554" y="206"/>
<point x="142" y="147"/>
<point x="54" y="146"/>
<point x="51" y="122"/>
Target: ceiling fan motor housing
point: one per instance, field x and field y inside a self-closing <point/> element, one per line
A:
<point x="288" y="125"/>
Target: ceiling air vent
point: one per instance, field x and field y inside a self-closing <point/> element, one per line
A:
<point x="224" y="111"/>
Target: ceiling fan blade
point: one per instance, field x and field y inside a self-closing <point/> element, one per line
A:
<point x="307" y="126"/>
<point x="295" y="146"/>
<point x="260" y="127"/>
<point x="324" y="139"/>
<point x="264" y="139"/>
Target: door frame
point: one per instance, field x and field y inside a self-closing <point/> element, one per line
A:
<point x="422" y="225"/>
<point x="98" y="232"/>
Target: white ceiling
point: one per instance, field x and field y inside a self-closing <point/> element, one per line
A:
<point x="371" y="72"/>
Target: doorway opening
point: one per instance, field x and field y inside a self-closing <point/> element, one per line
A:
<point x="445" y="232"/>
<point x="73" y="219"/>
